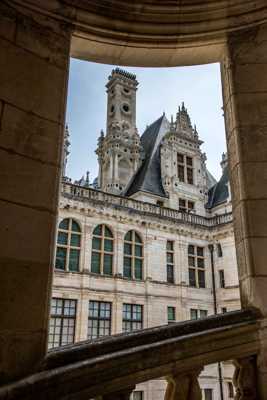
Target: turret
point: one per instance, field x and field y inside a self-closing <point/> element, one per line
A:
<point x="119" y="151"/>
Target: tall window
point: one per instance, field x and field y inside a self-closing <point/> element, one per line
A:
<point x="186" y="205"/>
<point x="170" y="261"/>
<point x="222" y="279"/>
<point x="198" y="314"/>
<point x="196" y="266"/>
<point x="99" y="321"/>
<point x="132" y="317"/>
<point x="208" y="394"/>
<point x="102" y="250"/>
<point x="171" y="314"/>
<point x="219" y="250"/>
<point x="68" y="245"/>
<point x="185" y="168"/>
<point x="62" y="322"/>
<point x="133" y="256"/>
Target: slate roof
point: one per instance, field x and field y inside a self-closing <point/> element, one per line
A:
<point x="219" y="193"/>
<point x="148" y="177"/>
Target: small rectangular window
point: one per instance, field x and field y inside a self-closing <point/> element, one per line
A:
<point x="224" y="310"/>
<point x="203" y="314"/>
<point x="208" y="394"/>
<point x="196" y="264"/>
<point x="170" y="261"/>
<point x="132" y="317"/>
<point x="186" y="205"/>
<point x="193" y="313"/>
<point x="171" y="314"/>
<point x="99" y="320"/>
<point x="137" y="395"/>
<point x="160" y="203"/>
<point x="222" y="280"/>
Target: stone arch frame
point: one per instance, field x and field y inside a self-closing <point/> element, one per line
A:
<point x="188" y="36"/>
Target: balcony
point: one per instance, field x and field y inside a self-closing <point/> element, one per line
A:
<point x="98" y="197"/>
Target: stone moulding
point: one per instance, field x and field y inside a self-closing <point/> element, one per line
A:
<point x="111" y="364"/>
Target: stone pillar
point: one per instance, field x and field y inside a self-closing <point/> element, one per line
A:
<point x="244" y="76"/>
<point x="33" y="85"/>
<point x="245" y="379"/>
<point x="183" y="386"/>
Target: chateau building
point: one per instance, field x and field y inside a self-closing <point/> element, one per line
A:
<point x="149" y="242"/>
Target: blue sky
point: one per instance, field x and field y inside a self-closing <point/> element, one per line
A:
<point x="160" y="90"/>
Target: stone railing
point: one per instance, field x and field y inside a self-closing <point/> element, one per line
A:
<point x="109" y="368"/>
<point x="135" y="206"/>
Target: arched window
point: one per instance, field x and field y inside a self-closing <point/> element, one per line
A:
<point x="102" y="250"/>
<point x="133" y="256"/>
<point x="68" y="245"/>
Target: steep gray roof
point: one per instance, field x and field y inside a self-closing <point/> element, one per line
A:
<point x="148" y="176"/>
<point x="219" y="193"/>
<point x="211" y="181"/>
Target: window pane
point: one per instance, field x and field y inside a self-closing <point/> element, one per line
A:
<point x="138" y="268"/>
<point x="190" y="176"/>
<point x="108" y="245"/>
<point x="75" y="227"/>
<point x="138" y="250"/>
<point x="95" y="263"/>
<point x="193" y="313"/>
<point x="191" y="261"/>
<point x="201" y="279"/>
<point x="170" y="258"/>
<point x="74" y="260"/>
<point x="75" y="240"/>
<point x="108" y="232"/>
<point x="189" y="161"/>
<point x="61" y="258"/>
<point x="128" y="236"/>
<point x="200" y="262"/>
<point x="96" y="244"/>
<point x="137" y="238"/>
<point x="191" y="249"/>
<point x="98" y="230"/>
<point x="181" y="173"/>
<point x="200" y="251"/>
<point x="180" y="158"/>
<point x="127" y="267"/>
<point x="169" y="245"/>
<point x="171" y="314"/>
<point x="107" y="264"/>
<point x="64" y="224"/>
<point x="170" y="274"/>
<point x="203" y="313"/>
<point x="190" y="205"/>
<point x="127" y="248"/>
<point x="62" y="238"/>
<point x="192" y="278"/>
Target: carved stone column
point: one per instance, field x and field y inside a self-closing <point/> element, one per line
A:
<point x="245" y="379"/>
<point x="183" y="386"/>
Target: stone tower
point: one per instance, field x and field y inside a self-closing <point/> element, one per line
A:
<point x="119" y="151"/>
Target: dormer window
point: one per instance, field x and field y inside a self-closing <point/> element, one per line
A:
<point x="185" y="168"/>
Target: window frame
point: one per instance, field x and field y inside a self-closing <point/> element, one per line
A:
<point x="194" y="259"/>
<point x="102" y="252"/>
<point x="132" y="255"/>
<point x="185" y="207"/>
<point x="172" y="310"/>
<point x="99" y="319"/>
<point x="131" y="320"/>
<point x="199" y="313"/>
<point x="68" y="247"/>
<point x="63" y="317"/>
<point x="170" y="264"/>
<point x="221" y="279"/>
<point x="206" y="391"/>
<point x="185" y="168"/>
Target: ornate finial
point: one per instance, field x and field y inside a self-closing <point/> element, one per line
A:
<point x="224" y="161"/>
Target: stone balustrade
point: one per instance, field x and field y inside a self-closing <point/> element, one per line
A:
<point x="136" y="206"/>
<point x="110" y="367"/>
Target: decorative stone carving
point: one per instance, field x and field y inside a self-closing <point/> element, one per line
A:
<point x="183" y="386"/>
<point x="245" y="379"/>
